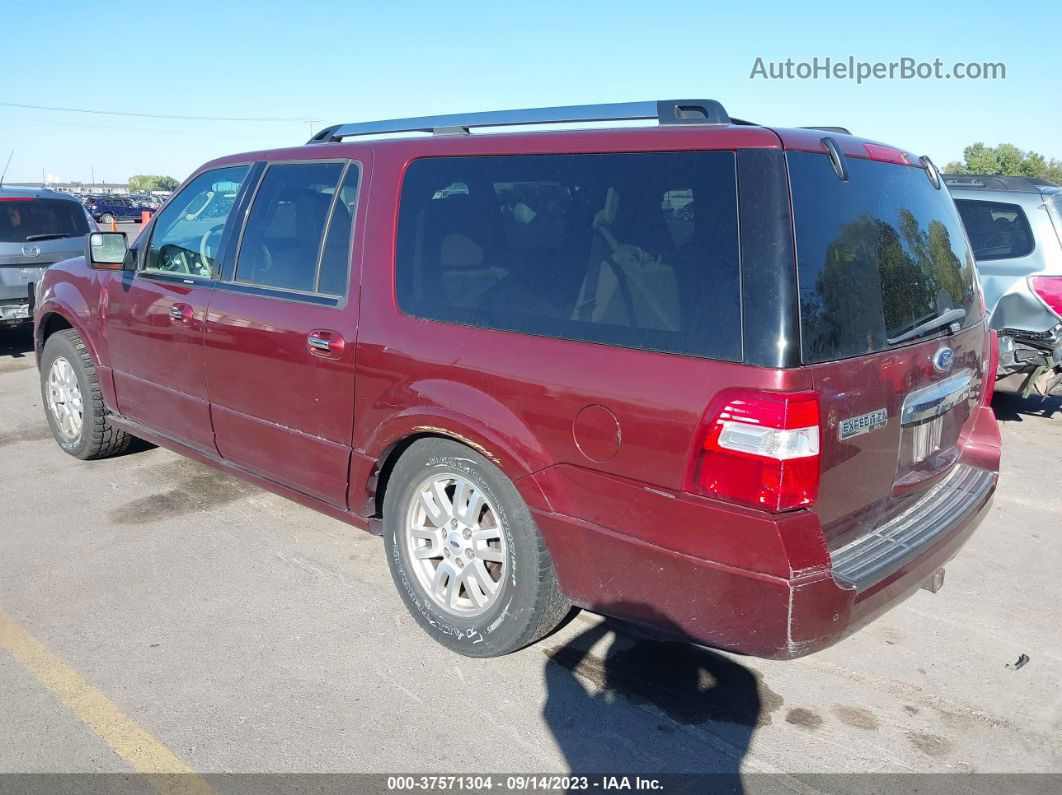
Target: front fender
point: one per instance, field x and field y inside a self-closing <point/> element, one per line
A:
<point x="64" y="300"/>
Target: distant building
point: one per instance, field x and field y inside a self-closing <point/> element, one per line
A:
<point x="116" y="188"/>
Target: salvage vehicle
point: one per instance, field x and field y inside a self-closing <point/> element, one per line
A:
<point x="1015" y="227"/>
<point x="37" y="227"/>
<point x="702" y="371"/>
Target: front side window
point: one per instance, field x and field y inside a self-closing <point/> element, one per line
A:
<point x="187" y="233"/>
<point x="637" y="250"/>
<point x="281" y="243"/>
<point x="996" y="230"/>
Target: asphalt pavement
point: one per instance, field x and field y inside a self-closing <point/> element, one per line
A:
<point x="154" y="611"/>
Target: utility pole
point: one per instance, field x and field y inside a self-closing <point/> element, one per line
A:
<point x="310" y="123"/>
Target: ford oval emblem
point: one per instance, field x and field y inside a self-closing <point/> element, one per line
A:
<point x="943" y="359"/>
<point x="31" y="251"/>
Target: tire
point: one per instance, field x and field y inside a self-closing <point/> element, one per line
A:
<point x="94" y="437"/>
<point x="527" y="602"/>
<point x="106" y="218"/>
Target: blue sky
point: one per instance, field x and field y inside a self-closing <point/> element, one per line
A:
<point x="350" y="61"/>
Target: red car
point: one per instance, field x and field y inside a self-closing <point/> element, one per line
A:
<point x="701" y="374"/>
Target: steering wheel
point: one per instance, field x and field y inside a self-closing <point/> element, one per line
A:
<point x="174" y="259"/>
<point x="206" y="256"/>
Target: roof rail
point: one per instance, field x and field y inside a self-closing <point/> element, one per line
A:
<point x="667" y="112"/>
<point x="841" y="130"/>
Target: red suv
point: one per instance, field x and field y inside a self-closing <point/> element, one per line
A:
<point x="700" y="373"/>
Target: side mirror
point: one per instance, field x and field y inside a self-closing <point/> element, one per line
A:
<point x="106" y="250"/>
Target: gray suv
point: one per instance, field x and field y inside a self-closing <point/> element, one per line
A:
<point x="1015" y="227"/>
<point x="37" y="227"/>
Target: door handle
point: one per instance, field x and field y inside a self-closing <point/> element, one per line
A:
<point x="325" y="343"/>
<point x="319" y="343"/>
<point x="181" y="313"/>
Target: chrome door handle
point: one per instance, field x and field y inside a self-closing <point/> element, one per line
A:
<point x="319" y="343"/>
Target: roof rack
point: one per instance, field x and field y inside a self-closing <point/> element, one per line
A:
<point x="999" y="182"/>
<point x="667" y="112"/>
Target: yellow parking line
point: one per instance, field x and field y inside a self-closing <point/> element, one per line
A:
<point x="124" y="735"/>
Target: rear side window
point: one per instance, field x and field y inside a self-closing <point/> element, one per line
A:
<point x="878" y="255"/>
<point x="23" y="220"/>
<point x="996" y="230"/>
<point x="332" y="276"/>
<point x="635" y="250"/>
<point x="282" y="239"/>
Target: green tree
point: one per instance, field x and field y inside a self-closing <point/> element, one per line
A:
<point x="1010" y="158"/>
<point x="981" y="159"/>
<point x="146" y="183"/>
<point x="1006" y="159"/>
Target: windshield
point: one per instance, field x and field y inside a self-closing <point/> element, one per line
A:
<point x="40" y="219"/>
<point x="878" y="256"/>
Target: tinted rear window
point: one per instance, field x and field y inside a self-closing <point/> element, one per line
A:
<point x="636" y="250"/>
<point x="22" y="220"/>
<point x="877" y="255"/>
<point x="996" y="230"/>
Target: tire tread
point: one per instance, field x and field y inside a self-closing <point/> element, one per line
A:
<point x="103" y="440"/>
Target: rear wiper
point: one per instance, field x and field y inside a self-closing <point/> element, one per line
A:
<point x="48" y="236"/>
<point x="944" y="319"/>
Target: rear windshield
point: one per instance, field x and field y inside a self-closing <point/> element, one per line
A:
<point x="635" y="250"/>
<point x="878" y="255"/>
<point x="24" y="220"/>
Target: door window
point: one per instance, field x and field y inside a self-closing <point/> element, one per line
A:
<point x="636" y="250"/>
<point x="281" y="245"/>
<point x="996" y="230"/>
<point x="187" y="234"/>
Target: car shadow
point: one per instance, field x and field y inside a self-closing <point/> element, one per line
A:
<point x="623" y="700"/>
<point x="17" y="342"/>
<point x="1012" y="407"/>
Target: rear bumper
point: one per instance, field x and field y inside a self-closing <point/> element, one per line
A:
<point x="15" y="311"/>
<point x="767" y="615"/>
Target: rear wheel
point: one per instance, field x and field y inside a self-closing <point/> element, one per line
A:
<point x="73" y="402"/>
<point x="465" y="553"/>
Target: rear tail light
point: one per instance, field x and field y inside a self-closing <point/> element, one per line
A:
<point x="1049" y="290"/>
<point x="991" y="365"/>
<point x="761" y="449"/>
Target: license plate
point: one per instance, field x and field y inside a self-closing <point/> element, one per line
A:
<point x="854" y="426"/>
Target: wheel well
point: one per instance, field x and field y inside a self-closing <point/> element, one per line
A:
<point x="52" y="323"/>
<point x="386" y="464"/>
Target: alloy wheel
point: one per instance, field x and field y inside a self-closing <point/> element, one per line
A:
<point x="456" y="544"/>
<point x="64" y="398"/>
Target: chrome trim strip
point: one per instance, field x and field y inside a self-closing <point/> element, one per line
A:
<point x="936" y="399"/>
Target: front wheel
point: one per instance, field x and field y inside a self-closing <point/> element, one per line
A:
<point x="106" y="218"/>
<point x="465" y="553"/>
<point x="73" y="402"/>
